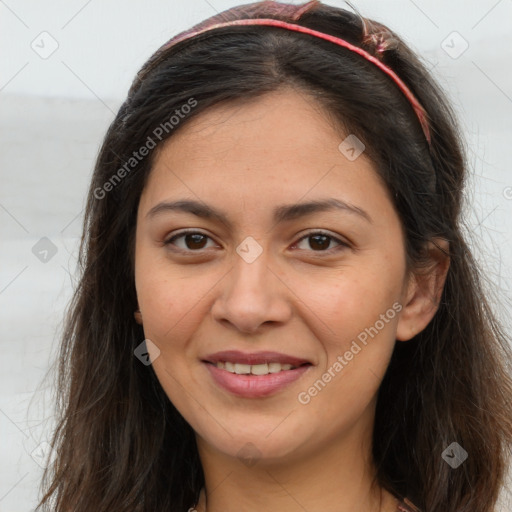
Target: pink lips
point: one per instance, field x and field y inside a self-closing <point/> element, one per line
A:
<point x="254" y="358"/>
<point x="255" y="386"/>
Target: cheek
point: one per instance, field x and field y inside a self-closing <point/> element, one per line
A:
<point x="354" y="299"/>
<point x="172" y="302"/>
<point x="157" y="294"/>
<point x="357" y="328"/>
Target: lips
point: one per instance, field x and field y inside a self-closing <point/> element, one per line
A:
<point x="254" y="375"/>
<point x="254" y="358"/>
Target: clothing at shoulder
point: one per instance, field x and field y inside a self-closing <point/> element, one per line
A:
<point x="405" y="505"/>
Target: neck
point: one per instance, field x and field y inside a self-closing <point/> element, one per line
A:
<point x="337" y="476"/>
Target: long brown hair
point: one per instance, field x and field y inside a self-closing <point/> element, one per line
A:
<point x="120" y="444"/>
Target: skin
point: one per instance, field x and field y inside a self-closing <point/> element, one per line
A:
<point x="296" y="298"/>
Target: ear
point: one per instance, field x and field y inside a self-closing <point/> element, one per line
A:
<point x="138" y="316"/>
<point x="423" y="291"/>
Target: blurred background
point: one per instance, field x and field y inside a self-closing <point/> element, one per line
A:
<point x="65" y="69"/>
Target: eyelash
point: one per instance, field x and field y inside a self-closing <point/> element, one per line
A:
<point x="341" y="243"/>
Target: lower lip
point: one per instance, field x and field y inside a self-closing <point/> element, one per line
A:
<point x="255" y="386"/>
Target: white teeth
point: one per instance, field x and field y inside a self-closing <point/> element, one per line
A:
<point x="242" y="369"/>
<point x="274" y="367"/>
<point x="254" y="369"/>
<point x="259" y="369"/>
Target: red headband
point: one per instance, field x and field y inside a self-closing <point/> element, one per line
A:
<point x="418" y="109"/>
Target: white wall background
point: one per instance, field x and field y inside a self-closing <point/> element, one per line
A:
<point x="55" y="108"/>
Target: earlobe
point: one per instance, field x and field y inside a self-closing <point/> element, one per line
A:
<point x="424" y="291"/>
<point x="138" y="316"/>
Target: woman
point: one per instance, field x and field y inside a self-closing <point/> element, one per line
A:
<point x="277" y="308"/>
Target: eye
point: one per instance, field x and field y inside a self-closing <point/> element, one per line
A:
<point x="190" y="241"/>
<point x="195" y="241"/>
<point x="320" y="241"/>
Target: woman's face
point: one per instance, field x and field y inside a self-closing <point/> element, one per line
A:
<point x="295" y="257"/>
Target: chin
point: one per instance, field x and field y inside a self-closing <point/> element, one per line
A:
<point x="267" y="443"/>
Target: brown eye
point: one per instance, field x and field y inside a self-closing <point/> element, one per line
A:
<point x="320" y="242"/>
<point x="189" y="241"/>
<point x="195" y="241"/>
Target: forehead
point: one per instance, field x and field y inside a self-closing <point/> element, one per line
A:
<point x="286" y="123"/>
<point x="280" y="147"/>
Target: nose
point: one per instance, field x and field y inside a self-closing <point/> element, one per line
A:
<point x="252" y="294"/>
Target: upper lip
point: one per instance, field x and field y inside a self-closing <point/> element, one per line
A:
<point x="235" y="356"/>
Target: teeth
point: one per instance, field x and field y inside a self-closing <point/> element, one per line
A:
<point x="254" y="369"/>
<point x="259" y="369"/>
<point x="242" y="369"/>
<point x="274" y="367"/>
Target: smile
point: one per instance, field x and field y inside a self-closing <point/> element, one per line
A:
<point x="254" y="369"/>
<point x="254" y="375"/>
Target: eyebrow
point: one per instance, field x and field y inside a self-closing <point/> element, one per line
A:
<point x="284" y="213"/>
